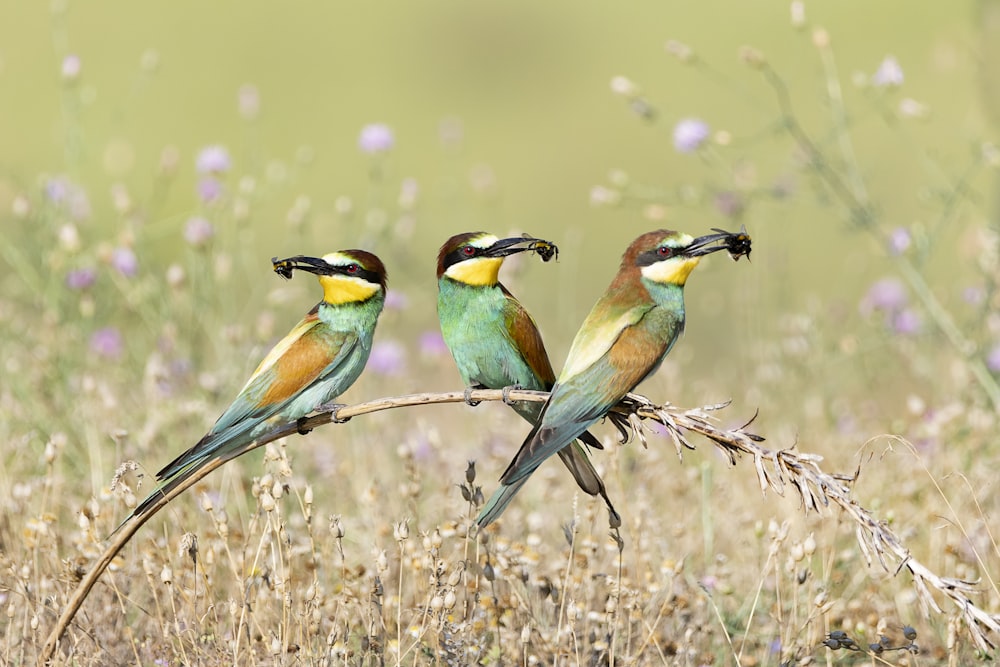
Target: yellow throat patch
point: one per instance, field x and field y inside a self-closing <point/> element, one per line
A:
<point x="338" y="289"/>
<point x="481" y="271"/>
<point x="674" y="271"/>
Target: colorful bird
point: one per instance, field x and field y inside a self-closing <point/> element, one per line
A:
<point x="622" y="342"/>
<point x="494" y="340"/>
<point x="316" y="362"/>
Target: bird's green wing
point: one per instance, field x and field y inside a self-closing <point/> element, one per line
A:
<point x="527" y="340"/>
<point x="597" y="334"/>
<point x="309" y="352"/>
<point x="587" y="395"/>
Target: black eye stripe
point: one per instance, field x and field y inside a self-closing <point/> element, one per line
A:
<point x="458" y="255"/>
<point x="653" y="256"/>
<point x="361" y="272"/>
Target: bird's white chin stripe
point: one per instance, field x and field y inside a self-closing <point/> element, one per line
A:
<point x="674" y="271"/>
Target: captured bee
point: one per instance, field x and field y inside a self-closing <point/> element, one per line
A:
<point x="737" y="243"/>
<point x="544" y="249"/>
<point x="283" y="267"/>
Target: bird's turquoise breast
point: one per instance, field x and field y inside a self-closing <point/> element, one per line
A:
<point x="474" y="327"/>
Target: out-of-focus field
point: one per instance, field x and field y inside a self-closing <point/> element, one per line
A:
<point x="155" y="156"/>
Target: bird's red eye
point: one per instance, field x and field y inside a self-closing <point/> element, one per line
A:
<point x="663" y="251"/>
<point x="353" y="268"/>
<point x="468" y="251"/>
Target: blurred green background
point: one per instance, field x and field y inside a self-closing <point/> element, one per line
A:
<point x="520" y="91"/>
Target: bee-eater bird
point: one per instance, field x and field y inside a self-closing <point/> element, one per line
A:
<point x="316" y="362"/>
<point x="494" y="340"/>
<point x="622" y="342"/>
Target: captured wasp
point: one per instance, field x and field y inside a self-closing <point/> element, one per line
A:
<point x="283" y="267"/>
<point x="544" y="249"/>
<point x="737" y="243"/>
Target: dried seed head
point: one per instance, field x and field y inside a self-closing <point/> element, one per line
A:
<point x="809" y="545"/>
<point x="166" y="576"/>
<point x="680" y="50"/>
<point x="401" y="530"/>
<point x="624" y="87"/>
<point x="307" y="495"/>
<point x="752" y="57"/>
<point x="821" y="38"/>
<point x="798" y="14"/>
<point x="50" y="452"/>
<point x="470" y="472"/>
<point x="381" y="562"/>
<point x="206" y="503"/>
<point x="188" y="546"/>
<point x="336" y="527"/>
<point x="450" y="599"/>
<point x="437" y="602"/>
<point x="909" y="632"/>
<point x="266" y="501"/>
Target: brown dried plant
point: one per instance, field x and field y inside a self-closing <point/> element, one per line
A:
<point x="776" y="469"/>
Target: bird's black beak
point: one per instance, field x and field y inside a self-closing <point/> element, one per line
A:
<point x="505" y="247"/>
<point x="736" y="243"/>
<point x="285" y="267"/>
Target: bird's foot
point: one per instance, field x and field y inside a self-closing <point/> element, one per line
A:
<point x="468" y="397"/>
<point x="507" y="390"/>
<point x="333" y="409"/>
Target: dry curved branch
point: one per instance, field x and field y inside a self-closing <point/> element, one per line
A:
<point x="775" y="469"/>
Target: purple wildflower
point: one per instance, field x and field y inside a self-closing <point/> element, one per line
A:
<point x="974" y="295"/>
<point x="396" y="300"/>
<point x="125" y="261"/>
<point x="899" y="240"/>
<point x="729" y="203"/>
<point x="81" y="279"/>
<point x="57" y="189"/>
<point x="432" y="344"/>
<point x="889" y="74"/>
<point x="387" y="358"/>
<point x="690" y="134"/>
<point x="376" y="138"/>
<point x="907" y="322"/>
<point x="887" y="294"/>
<point x="108" y="343"/>
<point x="71" y="67"/>
<point x="213" y="159"/>
<point x="198" y="231"/>
<point x="209" y="189"/>
<point x="993" y="358"/>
